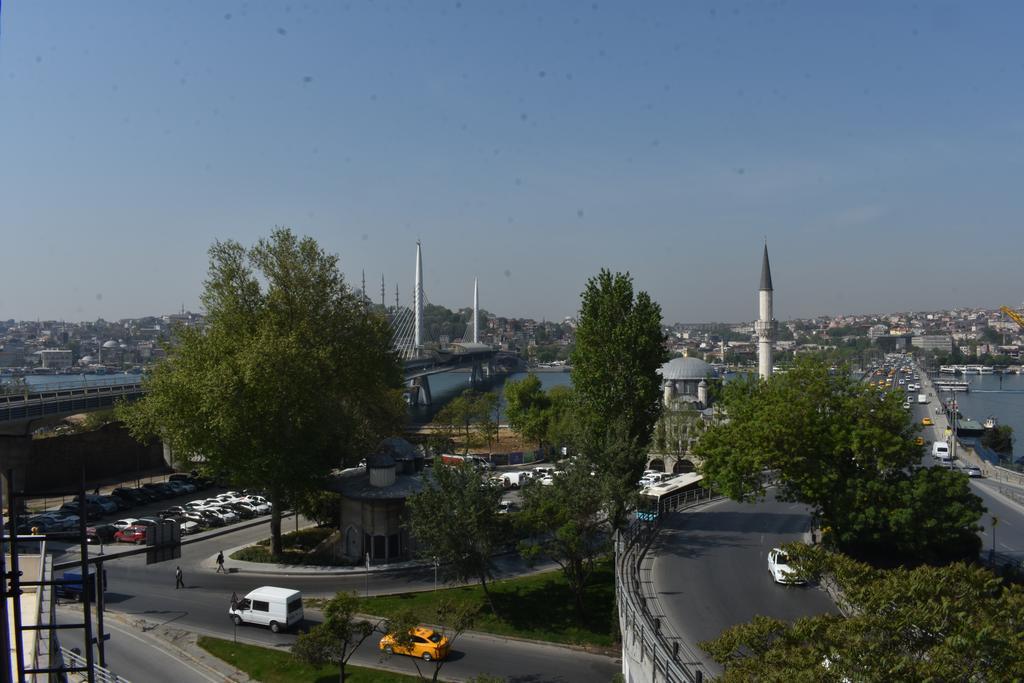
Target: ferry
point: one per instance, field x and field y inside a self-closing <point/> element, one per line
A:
<point x="991" y="422"/>
<point x="951" y="385"/>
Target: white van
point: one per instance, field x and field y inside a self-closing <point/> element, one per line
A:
<point x="278" y="608"/>
<point x="940" y="450"/>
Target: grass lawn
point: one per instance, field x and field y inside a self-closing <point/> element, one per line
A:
<point x="539" y="607"/>
<point x="275" y="666"/>
<point x="296" y="548"/>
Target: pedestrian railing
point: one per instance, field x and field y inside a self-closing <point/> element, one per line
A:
<point x="73" y="659"/>
<point x="652" y="641"/>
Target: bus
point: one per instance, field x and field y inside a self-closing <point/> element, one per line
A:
<point x="674" y="493"/>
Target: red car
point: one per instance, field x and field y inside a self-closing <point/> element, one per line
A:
<point x="132" y="534"/>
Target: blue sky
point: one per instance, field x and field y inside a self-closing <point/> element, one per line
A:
<point x="878" y="146"/>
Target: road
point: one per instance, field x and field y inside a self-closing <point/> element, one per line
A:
<point x="710" y="568"/>
<point x="134" y="655"/>
<point x="1009" y="536"/>
<point x="138" y="591"/>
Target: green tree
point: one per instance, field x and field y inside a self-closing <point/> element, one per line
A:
<point x="455" y="519"/>
<point x="290" y="378"/>
<point x="485" y="408"/>
<point x="999" y="439"/>
<point x="527" y="408"/>
<point x="848" y="452"/>
<point x="337" y="637"/>
<point x="951" y="623"/>
<point x="620" y="345"/>
<point x="564" y="522"/>
<point x="561" y="428"/>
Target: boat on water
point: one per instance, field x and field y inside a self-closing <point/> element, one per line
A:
<point x="969" y="427"/>
<point x="951" y="385"/>
<point x="991" y="422"/>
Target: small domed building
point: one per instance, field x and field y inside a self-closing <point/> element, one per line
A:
<point x="373" y="502"/>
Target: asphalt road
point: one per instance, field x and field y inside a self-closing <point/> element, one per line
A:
<point x="133" y="655"/>
<point x="147" y="592"/>
<point x="710" y="568"/>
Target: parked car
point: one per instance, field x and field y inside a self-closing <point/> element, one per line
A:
<point x="160" y="490"/>
<point x="106" y="505"/>
<point x="189" y="527"/>
<point x="132" y="534"/>
<point x="225" y="511"/>
<point x="101" y="533"/>
<point x="243" y="510"/>
<point x="124" y="523"/>
<point x="121" y="502"/>
<point x="148" y="521"/>
<point x="212" y="517"/>
<point x="139" y="495"/>
<point x="92" y="510"/>
<point x="196" y="518"/>
<point x="426" y="643"/>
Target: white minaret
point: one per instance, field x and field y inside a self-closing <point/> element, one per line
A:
<point x="476" y="311"/>
<point x="766" y="325"/>
<point x="417" y="300"/>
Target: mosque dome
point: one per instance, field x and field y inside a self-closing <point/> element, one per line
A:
<point x="110" y="344"/>
<point x="685" y="368"/>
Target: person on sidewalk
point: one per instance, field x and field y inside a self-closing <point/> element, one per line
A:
<point x="180" y="583"/>
<point x="220" y="563"/>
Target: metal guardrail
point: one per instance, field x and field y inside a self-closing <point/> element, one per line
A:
<point x="672" y="660"/>
<point x="73" y="659"/>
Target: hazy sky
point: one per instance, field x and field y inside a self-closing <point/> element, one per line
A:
<point x="878" y="146"/>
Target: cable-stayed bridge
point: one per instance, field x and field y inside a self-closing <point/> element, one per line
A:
<point x="421" y="357"/>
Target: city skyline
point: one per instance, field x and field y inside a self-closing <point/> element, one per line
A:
<point x="527" y="147"/>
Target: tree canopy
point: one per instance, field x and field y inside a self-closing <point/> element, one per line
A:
<point x="455" y="520"/>
<point x="957" y="622"/>
<point x="565" y="522"/>
<point x="620" y="345"/>
<point x="848" y="452"/>
<point x="337" y="637"/>
<point x="291" y="376"/>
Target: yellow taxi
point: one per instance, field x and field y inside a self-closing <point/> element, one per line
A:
<point x="424" y="643"/>
<point x="927" y="422"/>
<point x="919" y="441"/>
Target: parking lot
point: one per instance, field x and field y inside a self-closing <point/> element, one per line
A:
<point x="124" y="513"/>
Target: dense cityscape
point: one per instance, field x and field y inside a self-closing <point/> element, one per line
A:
<point x="499" y="342"/>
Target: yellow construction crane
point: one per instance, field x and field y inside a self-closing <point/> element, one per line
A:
<point x="1013" y="315"/>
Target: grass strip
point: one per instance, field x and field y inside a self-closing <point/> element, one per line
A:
<point x="275" y="666"/>
<point x="538" y="607"/>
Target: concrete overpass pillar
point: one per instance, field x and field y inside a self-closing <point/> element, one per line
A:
<point x="15" y="451"/>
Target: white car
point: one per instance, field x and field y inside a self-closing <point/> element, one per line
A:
<point x="780" y="568"/>
<point x="229" y="515"/>
<point x="123" y="524"/>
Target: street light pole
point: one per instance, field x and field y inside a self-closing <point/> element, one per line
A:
<point x="435" y="573"/>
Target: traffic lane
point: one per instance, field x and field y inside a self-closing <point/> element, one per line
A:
<point x="710" y="569"/>
<point x="133" y="656"/>
<point x="194" y="609"/>
<point x="1009" y="532"/>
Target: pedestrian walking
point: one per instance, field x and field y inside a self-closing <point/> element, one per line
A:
<point x="220" y="563"/>
<point x="180" y="583"/>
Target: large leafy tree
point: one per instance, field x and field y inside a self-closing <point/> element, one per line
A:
<point x="453" y="619"/>
<point x="620" y="345"/>
<point x="528" y="408"/>
<point x="565" y="522"/>
<point x="291" y="377"/>
<point x="337" y="637"/>
<point x="848" y="452"/>
<point x="455" y="520"/>
<point x="952" y="623"/>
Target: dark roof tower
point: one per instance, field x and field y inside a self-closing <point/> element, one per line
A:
<point x="766" y="272"/>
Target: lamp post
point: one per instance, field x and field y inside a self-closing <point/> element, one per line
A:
<point x="436" y="565"/>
